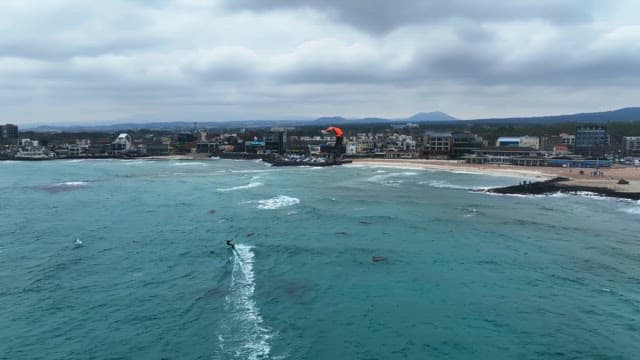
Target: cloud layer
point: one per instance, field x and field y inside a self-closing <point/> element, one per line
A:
<point x="73" y="61"/>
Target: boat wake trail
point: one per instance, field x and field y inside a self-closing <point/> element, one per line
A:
<point x="243" y="335"/>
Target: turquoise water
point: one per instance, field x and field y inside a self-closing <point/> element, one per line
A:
<point x="127" y="260"/>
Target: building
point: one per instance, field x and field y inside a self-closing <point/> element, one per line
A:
<point x="504" y="141"/>
<point x="511" y="155"/>
<point x="631" y="146"/>
<point x="464" y="142"/>
<point x="122" y="143"/>
<point x="569" y="140"/>
<point x="591" y="140"/>
<point x="549" y="143"/>
<point x="437" y="144"/>
<point x="8" y="134"/>
<point x="530" y="141"/>
<point x="275" y="140"/>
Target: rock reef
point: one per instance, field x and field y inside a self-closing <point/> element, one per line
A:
<point x="558" y="185"/>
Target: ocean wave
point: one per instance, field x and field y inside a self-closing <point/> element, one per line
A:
<point x="73" y="183"/>
<point x="244" y="336"/>
<point x="277" y="202"/>
<point x="133" y="162"/>
<point x="632" y="211"/>
<point x="466" y="172"/>
<point x="470" y="212"/>
<point x="246" y="171"/>
<point x="441" y="184"/>
<point x="390" y="178"/>
<point x="532" y="196"/>
<point x="189" y="163"/>
<point x="241" y="187"/>
<point x="63" y="186"/>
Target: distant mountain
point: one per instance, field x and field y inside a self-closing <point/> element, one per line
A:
<point x="330" y="120"/>
<point x="430" y="116"/>
<point x="620" y="115"/>
<point x="419" y="117"/>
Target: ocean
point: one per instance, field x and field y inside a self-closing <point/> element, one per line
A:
<point x="126" y="259"/>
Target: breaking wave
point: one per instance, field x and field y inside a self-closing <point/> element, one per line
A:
<point x="190" y="163"/>
<point x="632" y="211"/>
<point x="241" y="187"/>
<point x="390" y="179"/>
<point x="277" y="202"/>
<point x="63" y="186"/>
<point x="440" y="184"/>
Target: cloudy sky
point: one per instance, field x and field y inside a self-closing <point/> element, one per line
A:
<point x="78" y="61"/>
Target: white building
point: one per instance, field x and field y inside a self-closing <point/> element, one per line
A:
<point x="530" y="141"/>
<point x="122" y="143"/>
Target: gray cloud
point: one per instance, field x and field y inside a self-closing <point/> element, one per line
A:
<point x="380" y="16"/>
<point x="215" y="60"/>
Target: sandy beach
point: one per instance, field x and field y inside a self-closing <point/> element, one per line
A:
<point x="581" y="177"/>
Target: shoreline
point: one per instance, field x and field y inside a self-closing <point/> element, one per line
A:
<point x="578" y="179"/>
<point x="574" y="179"/>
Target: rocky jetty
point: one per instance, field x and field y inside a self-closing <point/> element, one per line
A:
<point x="557" y="185"/>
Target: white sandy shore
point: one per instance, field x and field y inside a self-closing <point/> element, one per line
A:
<point x="609" y="178"/>
<point x="453" y="165"/>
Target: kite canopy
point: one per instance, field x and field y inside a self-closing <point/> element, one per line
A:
<point x="336" y="130"/>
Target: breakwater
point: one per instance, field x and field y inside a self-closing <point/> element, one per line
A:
<point x="558" y="184"/>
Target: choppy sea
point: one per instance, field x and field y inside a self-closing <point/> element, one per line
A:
<point x="126" y="259"/>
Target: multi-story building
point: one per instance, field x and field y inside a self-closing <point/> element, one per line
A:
<point x="548" y="143"/>
<point x="569" y="140"/>
<point x="591" y="140"/>
<point x="8" y="134"/>
<point x="504" y="141"/>
<point x="275" y="140"/>
<point x="530" y="141"/>
<point x="437" y="144"/>
<point x="464" y="142"/>
<point x="524" y="156"/>
<point x="631" y="146"/>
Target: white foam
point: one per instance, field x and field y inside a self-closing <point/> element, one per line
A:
<point x="467" y="172"/>
<point x="72" y="184"/>
<point x="134" y="162"/>
<point x="632" y="211"/>
<point x="441" y="184"/>
<point x="241" y="187"/>
<point x="470" y="212"/>
<point x="248" y="337"/>
<point x="389" y="178"/>
<point x="247" y="171"/>
<point x="189" y="163"/>
<point x="277" y="202"/>
<point x="531" y="196"/>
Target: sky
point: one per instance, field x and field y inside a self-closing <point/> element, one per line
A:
<point x="85" y="62"/>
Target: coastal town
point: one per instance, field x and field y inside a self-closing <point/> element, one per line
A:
<point x="588" y="146"/>
<point x="588" y="159"/>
